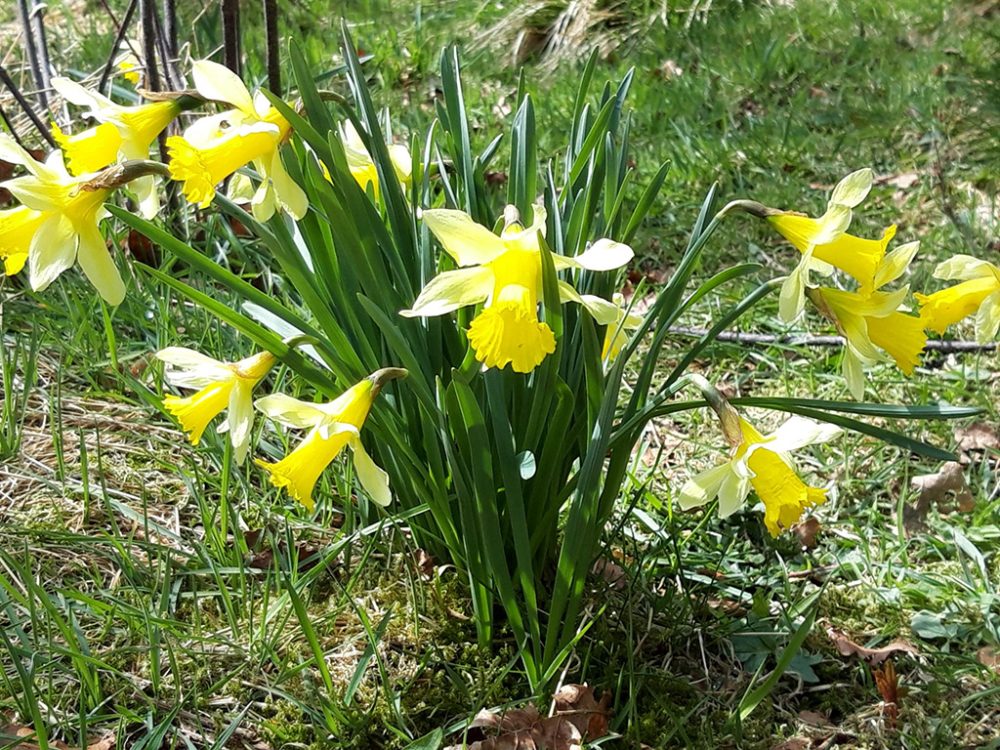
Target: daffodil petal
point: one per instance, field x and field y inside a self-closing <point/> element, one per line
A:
<point x="73" y="92"/>
<point x="240" y="419"/>
<point x="792" y="296"/>
<point x="853" y="189"/>
<point x="798" y="432"/>
<point x="290" y="411"/>
<point x="289" y="194"/>
<point x="373" y="479"/>
<point x="603" y="311"/>
<point x="702" y="488"/>
<point x="854" y="373"/>
<point x="469" y="243"/>
<point x="187" y="368"/>
<point x="732" y="493"/>
<point x="450" y="291"/>
<point x="964" y="268"/>
<point x="832" y="224"/>
<point x="11" y="150"/>
<point x="98" y="266"/>
<point x="988" y="319"/>
<point x="603" y="255"/>
<point x="219" y="83"/>
<point x="52" y="251"/>
<point x="895" y="263"/>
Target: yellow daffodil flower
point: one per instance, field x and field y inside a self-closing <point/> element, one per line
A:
<point x="17" y="228"/>
<point x="615" y="335"/>
<point x="221" y="386"/>
<point x="128" y="64"/>
<point x="136" y="128"/>
<point x="871" y="322"/>
<point x="505" y="273"/>
<point x="65" y="225"/>
<point x="824" y="243"/>
<point x="978" y="292"/>
<point x="332" y="427"/>
<point x="214" y="147"/>
<point x="761" y="462"/>
<point x="363" y="167"/>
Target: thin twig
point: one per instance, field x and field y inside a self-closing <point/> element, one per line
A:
<point x="231" y="34"/>
<point x="173" y="80"/>
<point x="793" y="339"/>
<point x="122" y="31"/>
<point x="41" y="47"/>
<point x="170" y="26"/>
<point x="7" y="81"/>
<point x="273" y="51"/>
<point x="24" y="16"/>
<point x="147" y="16"/>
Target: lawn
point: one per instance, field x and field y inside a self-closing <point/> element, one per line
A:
<point x="155" y="594"/>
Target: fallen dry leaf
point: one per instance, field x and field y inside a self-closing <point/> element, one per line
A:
<point x="815" y="719"/>
<point x="934" y="489"/>
<point x="978" y="436"/>
<point x="807" y="531"/>
<point x="989" y="656"/>
<point x="577" y="716"/>
<point x="612" y="573"/>
<point x="874" y="656"/>
<point x="424" y="562"/>
<point x="903" y="181"/>
<point x="795" y="743"/>
<point x="11" y="733"/>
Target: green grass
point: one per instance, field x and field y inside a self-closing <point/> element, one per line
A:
<point x="133" y="601"/>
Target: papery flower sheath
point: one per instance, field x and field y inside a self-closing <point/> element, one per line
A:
<point x="61" y="225"/>
<point x="214" y="147"/>
<point x="125" y="132"/>
<point x="505" y="273"/>
<point x="332" y="427"/>
<point x="872" y="322"/>
<point x="825" y="244"/>
<point x="761" y="463"/>
<point x="978" y="293"/>
<point x="220" y="386"/>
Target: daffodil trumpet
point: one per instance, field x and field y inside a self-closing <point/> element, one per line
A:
<point x="332" y="427"/>
<point x="977" y="293"/>
<point x="758" y="463"/>
<point x="504" y="274"/>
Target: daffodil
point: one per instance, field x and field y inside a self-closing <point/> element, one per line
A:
<point x="63" y="226"/>
<point x="360" y="162"/>
<point x="978" y="293"/>
<point x="17" y="228"/>
<point x="332" y="427"/>
<point x="825" y="245"/>
<point x="128" y="64"/>
<point x="214" y="147"/>
<point x="872" y="321"/>
<point x="220" y="386"/>
<point x="505" y="273"/>
<point x="615" y="335"/>
<point x="761" y="463"/>
<point x="126" y="132"/>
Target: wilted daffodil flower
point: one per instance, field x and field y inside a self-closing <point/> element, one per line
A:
<point x="221" y="386"/>
<point x="214" y="147"/>
<point x="505" y="273"/>
<point x="761" y="463"/>
<point x="363" y="167"/>
<point x="824" y="243"/>
<point x="332" y="427"/>
<point x="127" y="132"/>
<point x="872" y="321"/>
<point x="62" y="225"/>
<point x="978" y="292"/>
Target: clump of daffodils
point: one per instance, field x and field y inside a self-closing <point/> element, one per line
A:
<point x="504" y="274"/>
